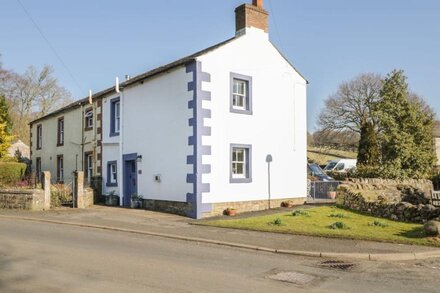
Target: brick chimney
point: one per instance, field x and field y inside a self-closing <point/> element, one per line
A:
<point x="251" y="15"/>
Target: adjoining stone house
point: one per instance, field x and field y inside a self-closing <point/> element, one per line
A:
<point x="68" y="140"/>
<point x="437" y="140"/>
<point x="194" y="136"/>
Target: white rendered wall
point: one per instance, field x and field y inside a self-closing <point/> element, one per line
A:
<point x="155" y="125"/>
<point x="277" y="125"/>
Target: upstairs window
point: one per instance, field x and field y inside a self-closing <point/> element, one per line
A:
<point x="241" y="94"/>
<point x="115" y="117"/>
<point x="240" y="164"/>
<point x="39" y="137"/>
<point x="88" y="119"/>
<point x="60" y="132"/>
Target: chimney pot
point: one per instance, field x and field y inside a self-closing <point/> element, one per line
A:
<point x="258" y="3"/>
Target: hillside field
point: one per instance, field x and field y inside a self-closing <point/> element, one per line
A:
<point x="322" y="155"/>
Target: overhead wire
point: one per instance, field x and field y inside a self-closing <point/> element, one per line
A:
<point x="52" y="48"/>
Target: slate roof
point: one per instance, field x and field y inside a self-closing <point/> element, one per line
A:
<point x="144" y="76"/>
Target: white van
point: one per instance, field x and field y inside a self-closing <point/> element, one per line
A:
<point x="342" y="165"/>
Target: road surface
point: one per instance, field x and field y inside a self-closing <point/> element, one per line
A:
<point x="40" y="257"/>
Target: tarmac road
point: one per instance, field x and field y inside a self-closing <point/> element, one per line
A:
<point x="40" y="257"/>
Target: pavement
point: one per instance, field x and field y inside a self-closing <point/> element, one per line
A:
<point x="181" y="228"/>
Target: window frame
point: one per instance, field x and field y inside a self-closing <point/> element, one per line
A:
<point x="88" y="157"/>
<point x="88" y="116"/>
<point x="39" y="136"/>
<point x="113" y="130"/>
<point x="60" y="169"/>
<point x="247" y="164"/>
<point x="38" y="169"/>
<point x="60" y="131"/>
<point x="247" y="109"/>
<point x="110" y="173"/>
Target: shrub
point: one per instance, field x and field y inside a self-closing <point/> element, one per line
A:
<point x="60" y="194"/>
<point x="378" y="223"/>
<point x="297" y="213"/>
<point x="338" y="225"/>
<point x="341" y="216"/>
<point x="277" y="222"/>
<point x="11" y="173"/>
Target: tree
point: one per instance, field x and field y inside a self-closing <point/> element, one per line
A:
<point x="406" y="130"/>
<point x="4" y="114"/>
<point x="5" y="129"/>
<point x="352" y="105"/>
<point x="31" y="95"/>
<point x="368" y="152"/>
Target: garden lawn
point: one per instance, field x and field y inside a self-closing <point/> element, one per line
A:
<point x="317" y="222"/>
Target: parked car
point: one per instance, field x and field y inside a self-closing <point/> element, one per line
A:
<point x="314" y="170"/>
<point x="342" y="165"/>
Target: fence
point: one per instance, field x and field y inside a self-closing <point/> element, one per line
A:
<point x="321" y="189"/>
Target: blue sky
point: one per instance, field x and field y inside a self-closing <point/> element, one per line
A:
<point x="328" y="41"/>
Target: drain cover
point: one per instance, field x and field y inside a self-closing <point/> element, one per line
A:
<point x="337" y="264"/>
<point x="292" y="277"/>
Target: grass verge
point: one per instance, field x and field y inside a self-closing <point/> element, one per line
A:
<point x="321" y="221"/>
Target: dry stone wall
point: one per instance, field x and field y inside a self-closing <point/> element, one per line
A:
<point x="406" y="201"/>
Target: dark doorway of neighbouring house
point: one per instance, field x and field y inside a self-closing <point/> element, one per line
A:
<point x="130" y="178"/>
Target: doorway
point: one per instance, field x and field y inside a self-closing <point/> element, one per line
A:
<point x="130" y="178"/>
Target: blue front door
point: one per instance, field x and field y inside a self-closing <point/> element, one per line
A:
<point x="130" y="179"/>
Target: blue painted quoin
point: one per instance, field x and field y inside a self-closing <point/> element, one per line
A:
<point x="195" y="140"/>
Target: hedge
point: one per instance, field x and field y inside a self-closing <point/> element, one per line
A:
<point x="11" y="172"/>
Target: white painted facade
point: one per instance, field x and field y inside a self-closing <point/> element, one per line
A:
<point x="154" y="125"/>
<point x="277" y="125"/>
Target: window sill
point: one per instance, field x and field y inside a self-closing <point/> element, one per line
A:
<point x="60" y="144"/>
<point x="112" y="134"/>
<point x="111" y="184"/>
<point x="88" y="128"/>
<point x="240" y="111"/>
<point x="240" y="180"/>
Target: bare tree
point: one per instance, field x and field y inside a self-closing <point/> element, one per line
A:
<point x="31" y="95"/>
<point x="352" y="105"/>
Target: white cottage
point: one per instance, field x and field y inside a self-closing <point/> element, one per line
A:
<point x="193" y="137"/>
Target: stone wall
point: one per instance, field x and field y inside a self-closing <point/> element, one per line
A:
<point x="249" y="206"/>
<point x="172" y="207"/>
<point x="22" y="199"/>
<point x="86" y="199"/>
<point x="357" y="197"/>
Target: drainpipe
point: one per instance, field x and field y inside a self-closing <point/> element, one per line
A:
<point x="121" y="144"/>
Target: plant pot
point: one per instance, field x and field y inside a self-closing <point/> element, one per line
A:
<point x="331" y="194"/>
<point x="112" y="200"/>
<point x="230" y="213"/>
<point x="136" y="204"/>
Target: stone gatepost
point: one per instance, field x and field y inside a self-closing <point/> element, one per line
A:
<point x="78" y="193"/>
<point x="46" y="187"/>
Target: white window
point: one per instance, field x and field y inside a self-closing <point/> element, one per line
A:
<point x="89" y="167"/>
<point x="113" y="173"/>
<point x="239" y="163"/>
<point x="117" y="117"/>
<point x="240" y="94"/>
<point x="89" y="119"/>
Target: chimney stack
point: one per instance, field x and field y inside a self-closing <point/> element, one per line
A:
<point x="254" y="15"/>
